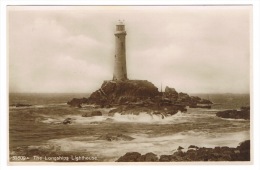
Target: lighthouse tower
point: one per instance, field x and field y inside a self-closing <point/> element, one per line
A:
<point x="120" y="57"/>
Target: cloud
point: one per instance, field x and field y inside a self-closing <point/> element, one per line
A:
<point x="71" y="49"/>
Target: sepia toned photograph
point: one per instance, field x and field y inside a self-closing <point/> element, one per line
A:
<point x="129" y="84"/>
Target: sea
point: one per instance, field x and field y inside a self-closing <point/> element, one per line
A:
<point x="37" y="134"/>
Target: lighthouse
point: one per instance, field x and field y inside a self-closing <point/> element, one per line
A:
<point x="120" y="73"/>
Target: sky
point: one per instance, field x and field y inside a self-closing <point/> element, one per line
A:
<point x="194" y="49"/>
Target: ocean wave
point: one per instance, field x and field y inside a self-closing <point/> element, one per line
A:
<point x="37" y="106"/>
<point x="164" y="144"/>
<point x="144" y="117"/>
<point x="130" y="118"/>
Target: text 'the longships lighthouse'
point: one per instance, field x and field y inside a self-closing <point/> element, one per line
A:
<point x="120" y="72"/>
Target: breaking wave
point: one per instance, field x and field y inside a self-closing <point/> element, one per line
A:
<point x="160" y="145"/>
<point x="128" y="118"/>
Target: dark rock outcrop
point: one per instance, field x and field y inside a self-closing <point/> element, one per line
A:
<point x="137" y="157"/>
<point x="123" y="92"/>
<point x="67" y="121"/>
<point x="171" y="93"/>
<point x="244" y="149"/>
<point x="193" y="147"/>
<point x="149" y="157"/>
<point x="184" y="97"/>
<point x="244" y="113"/>
<point x="92" y="113"/>
<point x="130" y="157"/>
<point x="193" y="100"/>
<point x="169" y="90"/>
<point x="136" y="96"/>
<point x="180" y="148"/>
<point x="115" y="137"/>
<point x="77" y="102"/>
<point x="194" y="153"/>
<point x="172" y="96"/>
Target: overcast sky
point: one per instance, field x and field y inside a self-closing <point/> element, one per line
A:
<point x="70" y="49"/>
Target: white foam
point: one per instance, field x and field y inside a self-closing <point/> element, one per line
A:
<point x="230" y="119"/>
<point x="78" y="119"/>
<point x="144" y="144"/>
<point x="144" y="117"/>
<point x="131" y="118"/>
<point x="51" y="121"/>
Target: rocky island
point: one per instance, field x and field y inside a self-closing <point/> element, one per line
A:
<point x="243" y="113"/>
<point x="135" y="96"/>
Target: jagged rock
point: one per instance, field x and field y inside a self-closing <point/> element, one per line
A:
<point x="92" y="113"/>
<point x="193" y="147"/>
<point x="244" y="149"/>
<point x="67" y="121"/>
<point x="198" y="100"/>
<point x="123" y="92"/>
<point x="137" y="157"/>
<point x="179" y="153"/>
<point x="115" y="137"/>
<point x="244" y="113"/>
<point x="149" y="157"/>
<point x="165" y="158"/>
<point x="171" y="94"/>
<point x="77" y="102"/>
<point x="141" y="93"/>
<point x="130" y="157"/>
<point x="240" y="153"/>
<point x="180" y="148"/>
<point x="244" y="145"/>
<point x="183" y="97"/>
<point x="170" y="90"/>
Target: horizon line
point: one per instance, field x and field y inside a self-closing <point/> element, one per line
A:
<point x="92" y="92"/>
